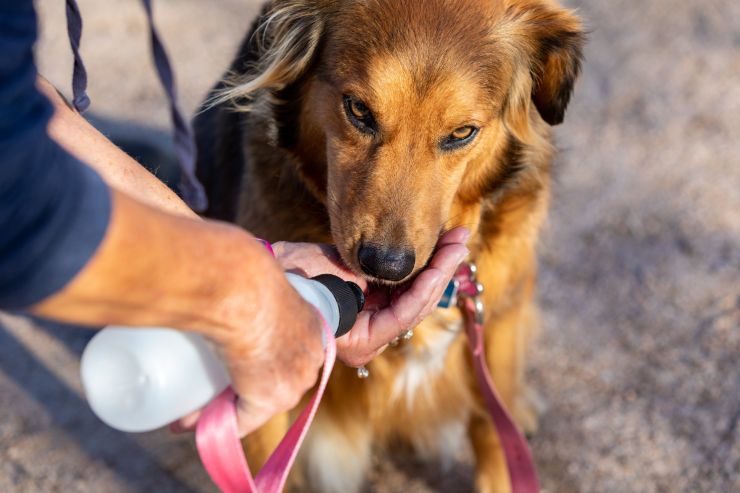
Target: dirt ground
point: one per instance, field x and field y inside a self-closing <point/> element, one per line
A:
<point x="638" y="358"/>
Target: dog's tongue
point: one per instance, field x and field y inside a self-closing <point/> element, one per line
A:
<point x="380" y="296"/>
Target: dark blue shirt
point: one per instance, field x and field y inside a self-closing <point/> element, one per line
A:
<point x="54" y="210"/>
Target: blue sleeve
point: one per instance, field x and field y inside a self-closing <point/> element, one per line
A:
<point x="54" y="210"/>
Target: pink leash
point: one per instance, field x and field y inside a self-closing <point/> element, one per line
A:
<point x="221" y="452"/>
<point x="217" y="439"/>
<point x="522" y="471"/>
<point x="519" y="462"/>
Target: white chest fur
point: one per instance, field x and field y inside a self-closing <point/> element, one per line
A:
<point x="424" y="362"/>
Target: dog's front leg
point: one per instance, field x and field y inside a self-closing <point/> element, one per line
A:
<point x="510" y="320"/>
<point x="491" y="475"/>
<point x="336" y="455"/>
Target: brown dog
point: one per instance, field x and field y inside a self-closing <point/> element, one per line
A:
<point x="377" y="125"/>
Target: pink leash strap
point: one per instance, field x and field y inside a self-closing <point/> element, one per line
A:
<point x="217" y="439"/>
<point x="522" y="471"/>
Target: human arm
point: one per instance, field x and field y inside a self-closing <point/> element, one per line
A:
<point x="78" y="137"/>
<point x="374" y="329"/>
<point x="155" y="269"/>
<point x="111" y="259"/>
<point x="73" y="249"/>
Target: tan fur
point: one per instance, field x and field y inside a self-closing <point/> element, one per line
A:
<point x="424" y="69"/>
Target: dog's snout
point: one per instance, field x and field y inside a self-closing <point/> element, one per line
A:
<point x="390" y="264"/>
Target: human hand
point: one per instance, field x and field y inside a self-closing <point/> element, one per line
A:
<point x="387" y="314"/>
<point x="272" y="350"/>
<point x="259" y="367"/>
<point x="272" y="371"/>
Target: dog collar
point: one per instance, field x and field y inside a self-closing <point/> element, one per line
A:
<point x="462" y="284"/>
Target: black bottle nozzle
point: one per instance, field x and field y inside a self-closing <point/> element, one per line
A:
<point x="350" y="300"/>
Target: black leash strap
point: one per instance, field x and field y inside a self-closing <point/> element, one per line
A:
<point x="79" y="74"/>
<point x="190" y="188"/>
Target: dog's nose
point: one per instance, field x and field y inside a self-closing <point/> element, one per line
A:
<point x="391" y="264"/>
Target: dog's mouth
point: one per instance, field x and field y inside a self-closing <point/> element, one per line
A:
<point x="381" y="294"/>
<point x="384" y="266"/>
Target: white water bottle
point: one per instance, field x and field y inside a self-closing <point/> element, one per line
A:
<point x="140" y="379"/>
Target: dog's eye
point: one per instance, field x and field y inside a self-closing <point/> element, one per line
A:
<point x="462" y="133"/>
<point x="459" y="138"/>
<point x="359" y="115"/>
<point x="358" y="109"/>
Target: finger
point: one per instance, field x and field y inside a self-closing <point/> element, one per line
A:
<point x="376" y="327"/>
<point x="388" y="323"/>
<point x="407" y="309"/>
<point x="455" y="235"/>
<point x="177" y="428"/>
<point x="250" y="419"/>
<point x="435" y="296"/>
<point x="311" y="259"/>
<point x="447" y="261"/>
<point x="448" y="258"/>
<point x="360" y="346"/>
<point x="338" y="267"/>
<point x="255" y="412"/>
<point x="265" y="401"/>
<point x="186" y="423"/>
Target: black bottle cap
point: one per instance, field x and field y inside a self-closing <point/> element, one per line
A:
<point x="350" y="300"/>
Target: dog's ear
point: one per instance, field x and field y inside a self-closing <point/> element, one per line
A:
<point x="556" y="59"/>
<point x="282" y="48"/>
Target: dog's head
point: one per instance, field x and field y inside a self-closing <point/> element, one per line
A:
<point x="406" y="115"/>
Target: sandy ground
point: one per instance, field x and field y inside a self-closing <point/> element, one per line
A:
<point x="637" y="361"/>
